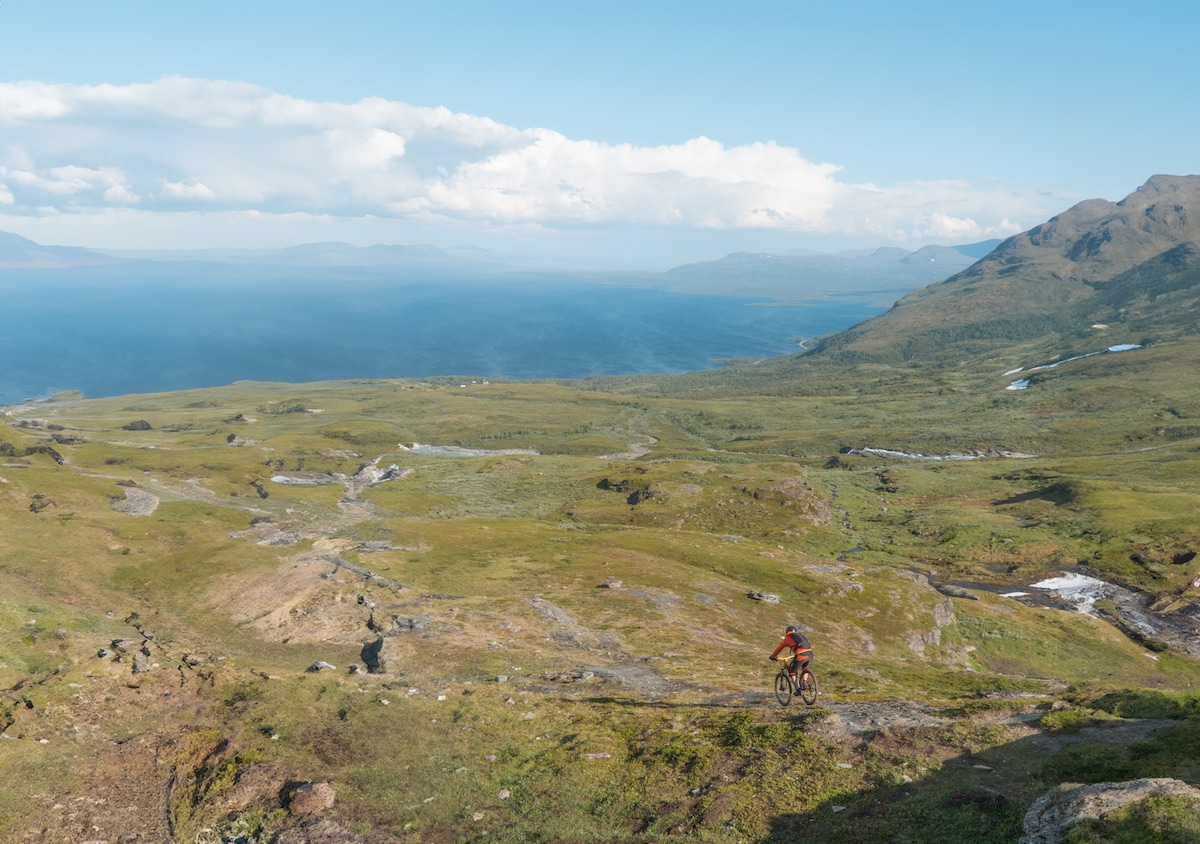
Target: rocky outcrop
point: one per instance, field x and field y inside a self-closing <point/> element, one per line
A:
<point x="1052" y="815"/>
<point x="371" y="655"/>
<point x="311" y="798"/>
<point x="137" y="502"/>
<point x="46" y="450"/>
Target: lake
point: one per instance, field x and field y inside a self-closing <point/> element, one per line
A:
<point x="115" y="331"/>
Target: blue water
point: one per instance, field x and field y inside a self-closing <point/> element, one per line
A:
<point x="116" y="331"/>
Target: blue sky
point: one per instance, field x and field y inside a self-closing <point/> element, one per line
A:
<point x="647" y="133"/>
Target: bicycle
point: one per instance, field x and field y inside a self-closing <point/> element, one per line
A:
<point x="805" y="685"/>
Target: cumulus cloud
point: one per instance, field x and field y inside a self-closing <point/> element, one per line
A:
<point x="199" y="146"/>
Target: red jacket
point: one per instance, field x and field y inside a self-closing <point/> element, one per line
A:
<point x="798" y="643"/>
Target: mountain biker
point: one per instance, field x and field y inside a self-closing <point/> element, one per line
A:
<point x="801" y="652"/>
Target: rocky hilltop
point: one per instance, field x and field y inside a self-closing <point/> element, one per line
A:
<point x="1046" y="281"/>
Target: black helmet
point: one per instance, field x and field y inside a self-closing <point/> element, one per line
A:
<point x="791" y="628"/>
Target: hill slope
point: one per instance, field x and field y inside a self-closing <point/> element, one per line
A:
<point x="1051" y="282"/>
<point x="558" y="614"/>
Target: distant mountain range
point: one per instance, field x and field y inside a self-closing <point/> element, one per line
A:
<point x="885" y="273"/>
<point x="17" y="252"/>
<point x="880" y="276"/>
<point x="1128" y="270"/>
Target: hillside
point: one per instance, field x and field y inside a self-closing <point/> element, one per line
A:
<point x="262" y="610"/>
<point x="447" y="609"/>
<point x="1097" y="262"/>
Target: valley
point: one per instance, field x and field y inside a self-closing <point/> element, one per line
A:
<point x="449" y="609"/>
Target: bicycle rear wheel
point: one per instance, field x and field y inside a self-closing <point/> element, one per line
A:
<point x="808" y="688"/>
<point x="783" y="688"/>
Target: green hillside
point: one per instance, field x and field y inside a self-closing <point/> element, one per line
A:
<point x="442" y="610"/>
<point x="1049" y="285"/>
<point x="574" y="628"/>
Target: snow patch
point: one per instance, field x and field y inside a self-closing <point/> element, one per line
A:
<point x="1023" y="383"/>
<point x="1078" y="589"/>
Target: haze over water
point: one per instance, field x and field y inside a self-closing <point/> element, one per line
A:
<point x="150" y="335"/>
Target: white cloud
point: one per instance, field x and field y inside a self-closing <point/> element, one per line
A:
<point x="230" y="148"/>
<point x="191" y="190"/>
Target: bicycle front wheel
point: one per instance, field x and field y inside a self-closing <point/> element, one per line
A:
<point x="808" y="688"/>
<point x="783" y="688"/>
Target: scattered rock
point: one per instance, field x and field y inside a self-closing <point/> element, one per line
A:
<point x="127" y="646"/>
<point x="550" y="612"/>
<point x="943" y="613"/>
<point x="137" y="502"/>
<point x="611" y="583"/>
<point x="1053" y="814"/>
<point x="257" y="787"/>
<point x="371" y="656"/>
<point x="312" y="798"/>
<point x="321" y="665"/>
<point x="765" y="597"/>
<point x="914" y="576"/>
<point x="136" y="425"/>
<point x="957" y="592"/>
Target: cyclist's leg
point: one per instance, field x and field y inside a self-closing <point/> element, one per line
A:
<point x="800" y="666"/>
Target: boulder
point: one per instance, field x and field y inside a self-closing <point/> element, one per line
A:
<point x="765" y="597"/>
<point x="312" y="798"/>
<point x="1053" y="814"/>
<point x="127" y="646"/>
<point x="141" y="663"/>
<point x="371" y="656"/>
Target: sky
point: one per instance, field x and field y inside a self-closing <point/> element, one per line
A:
<point x="616" y="133"/>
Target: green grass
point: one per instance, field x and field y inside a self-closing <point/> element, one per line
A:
<point x="742" y="493"/>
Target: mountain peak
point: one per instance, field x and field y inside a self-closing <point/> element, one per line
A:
<point x="1027" y="286"/>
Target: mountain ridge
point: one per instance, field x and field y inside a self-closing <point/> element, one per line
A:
<point x="1037" y="284"/>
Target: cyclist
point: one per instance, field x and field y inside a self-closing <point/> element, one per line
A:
<point x="801" y="652"/>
